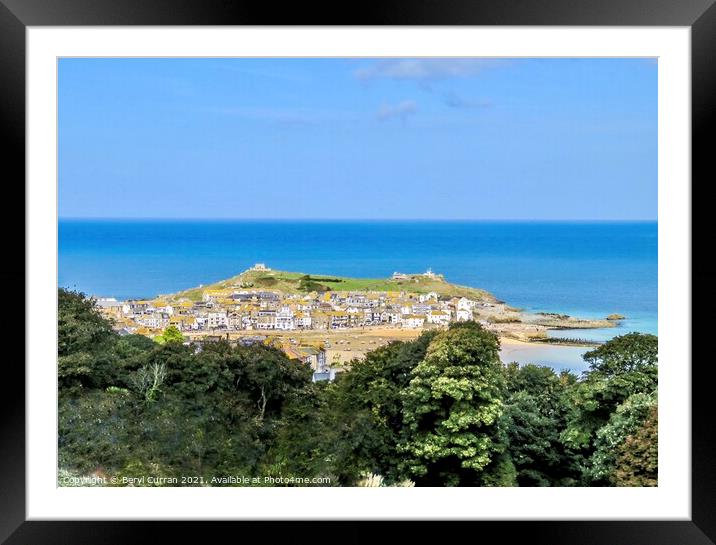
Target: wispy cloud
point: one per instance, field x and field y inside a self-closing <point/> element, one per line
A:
<point x="426" y="69"/>
<point x="453" y="100"/>
<point x="401" y="111"/>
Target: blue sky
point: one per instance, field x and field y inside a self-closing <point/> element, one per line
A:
<point x="543" y="139"/>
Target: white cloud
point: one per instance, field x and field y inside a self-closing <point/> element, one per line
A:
<point x="402" y="110"/>
<point x="426" y="69"/>
<point x="453" y="100"/>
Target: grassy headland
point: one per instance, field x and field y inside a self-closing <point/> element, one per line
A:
<point x="348" y="342"/>
<point x="297" y="282"/>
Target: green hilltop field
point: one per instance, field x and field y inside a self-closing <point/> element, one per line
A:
<point x="296" y="282"/>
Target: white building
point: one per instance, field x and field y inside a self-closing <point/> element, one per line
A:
<point x="303" y="320"/>
<point x="371" y="316"/>
<point x="390" y="317"/>
<point x="464" y="315"/>
<point x="328" y="374"/>
<point x="439" y="317"/>
<point x="356" y="299"/>
<point x="413" y="321"/>
<point x="108" y="303"/>
<point x="285" y="319"/>
<point x="236" y="320"/>
<point x="168" y="310"/>
<point x="426" y="297"/>
<point x="465" y="304"/>
<point x="200" y="321"/>
<point x="217" y="320"/>
<point x="153" y="320"/>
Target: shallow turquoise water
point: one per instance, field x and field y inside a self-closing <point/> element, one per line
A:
<point x="559" y="357"/>
<point x="588" y="269"/>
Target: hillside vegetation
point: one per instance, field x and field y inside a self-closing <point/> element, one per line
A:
<point x="441" y="410"/>
<point x="294" y="282"/>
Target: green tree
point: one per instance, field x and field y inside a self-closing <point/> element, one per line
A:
<point x="148" y="381"/>
<point x="451" y="408"/>
<point x="621" y="367"/>
<point x="362" y="415"/>
<point x="85" y="343"/>
<point x="535" y="413"/>
<point x="80" y="326"/>
<point x="440" y="410"/>
<point x="170" y="335"/>
<point x="212" y="409"/>
<point x="94" y="430"/>
<point x="633" y="352"/>
<point x="270" y="377"/>
<point x="301" y="437"/>
<point x="612" y="461"/>
<point x="637" y="457"/>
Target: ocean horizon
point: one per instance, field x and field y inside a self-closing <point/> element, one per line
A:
<point x="583" y="268"/>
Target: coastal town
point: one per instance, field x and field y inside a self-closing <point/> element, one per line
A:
<point x="308" y="317"/>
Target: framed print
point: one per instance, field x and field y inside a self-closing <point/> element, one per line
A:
<point x="426" y="264"/>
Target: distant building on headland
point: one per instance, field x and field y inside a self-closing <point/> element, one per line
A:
<point x="260" y="267"/>
<point x="428" y="274"/>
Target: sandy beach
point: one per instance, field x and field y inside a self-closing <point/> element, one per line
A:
<point x="560" y="357"/>
<point x="342" y="345"/>
<point x="348" y="344"/>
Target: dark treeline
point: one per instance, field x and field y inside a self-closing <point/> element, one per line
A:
<point x="441" y="410"/>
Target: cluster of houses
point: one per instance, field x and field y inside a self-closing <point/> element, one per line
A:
<point x="265" y="312"/>
<point x="260" y="310"/>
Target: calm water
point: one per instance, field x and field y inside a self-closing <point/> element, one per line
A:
<point x="558" y="357"/>
<point x="588" y="269"/>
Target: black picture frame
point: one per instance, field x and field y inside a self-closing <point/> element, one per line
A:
<point x="17" y="15"/>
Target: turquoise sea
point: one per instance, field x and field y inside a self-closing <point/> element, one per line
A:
<point x="588" y="269"/>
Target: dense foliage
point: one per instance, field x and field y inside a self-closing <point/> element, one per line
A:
<point x="451" y="408"/>
<point x="441" y="410"/>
